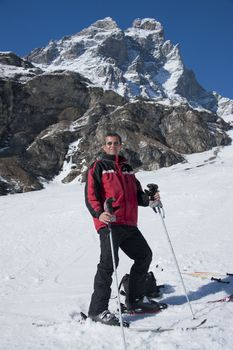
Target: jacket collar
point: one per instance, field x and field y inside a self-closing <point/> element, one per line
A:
<point x="114" y="158"/>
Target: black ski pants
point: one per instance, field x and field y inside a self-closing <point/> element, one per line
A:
<point x="134" y="245"/>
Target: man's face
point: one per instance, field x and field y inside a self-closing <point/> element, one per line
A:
<point x="112" y="145"/>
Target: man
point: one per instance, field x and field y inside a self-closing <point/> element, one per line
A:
<point x="108" y="177"/>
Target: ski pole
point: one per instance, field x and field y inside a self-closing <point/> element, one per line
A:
<point x="108" y="207"/>
<point x="153" y="188"/>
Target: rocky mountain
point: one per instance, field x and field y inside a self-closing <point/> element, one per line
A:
<point x="134" y="62"/>
<point x="57" y="103"/>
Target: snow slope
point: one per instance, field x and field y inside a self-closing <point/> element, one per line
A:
<point x="49" y="252"/>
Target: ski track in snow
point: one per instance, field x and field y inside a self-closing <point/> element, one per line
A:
<point x="49" y="251"/>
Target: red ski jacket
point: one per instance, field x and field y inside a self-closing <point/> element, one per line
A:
<point x="110" y="177"/>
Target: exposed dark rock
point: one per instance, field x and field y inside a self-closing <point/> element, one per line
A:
<point x="45" y="156"/>
<point x="14" y="178"/>
<point x="40" y="56"/>
<point x="72" y="175"/>
<point x="115" y="47"/>
<point x="147" y="132"/>
<point x="60" y="116"/>
<point x="188" y="86"/>
<point x="190" y="131"/>
<point x="11" y="59"/>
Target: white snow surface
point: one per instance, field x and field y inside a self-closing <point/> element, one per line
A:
<point x="49" y="252"/>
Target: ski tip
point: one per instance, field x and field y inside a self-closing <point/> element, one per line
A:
<point x="202" y="322"/>
<point x="83" y="316"/>
<point x="199" y="324"/>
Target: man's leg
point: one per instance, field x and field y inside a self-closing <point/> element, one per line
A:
<point x="137" y="248"/>
<point x="103" y="278"/>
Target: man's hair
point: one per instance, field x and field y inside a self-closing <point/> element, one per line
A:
<point x="113" y="134"/>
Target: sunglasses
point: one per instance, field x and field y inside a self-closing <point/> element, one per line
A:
<point x="115" y="143"/>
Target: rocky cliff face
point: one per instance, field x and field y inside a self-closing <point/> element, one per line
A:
<point x="60" y="117"/>
<point x="53" y="117"/>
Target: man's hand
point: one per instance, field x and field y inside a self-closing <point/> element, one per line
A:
<point x="107" y="217"/>
<point x="156" y="197"/>
<point x="155" y="200"/>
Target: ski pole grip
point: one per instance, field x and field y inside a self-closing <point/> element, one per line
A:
<point x="108" y="205"/>
<point x="153" y="188"/>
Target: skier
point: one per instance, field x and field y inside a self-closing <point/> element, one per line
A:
<point x="112" y="176"/>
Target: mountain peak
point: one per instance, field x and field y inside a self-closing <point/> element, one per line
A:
<point x="106" y="23"/>
<point x="149" y="24"/>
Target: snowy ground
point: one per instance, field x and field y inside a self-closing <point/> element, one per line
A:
<point x="49" y="251"/>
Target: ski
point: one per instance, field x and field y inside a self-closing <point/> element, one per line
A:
<point x="213" y="276"/>
<point x="42" y="324"/>
<point x="159" y="329"/>
<point x="222" y="300"/>
<point x="162" y="330"/>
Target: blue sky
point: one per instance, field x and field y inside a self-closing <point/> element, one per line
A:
<point x="203" y="29"/>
